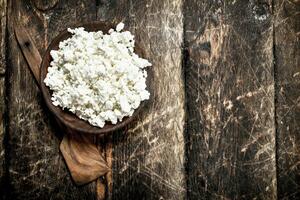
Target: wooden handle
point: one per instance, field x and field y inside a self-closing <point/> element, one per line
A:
<point x="29" y="51"/>
<point x="81" y="155"/>
<point x="83" y="158"/>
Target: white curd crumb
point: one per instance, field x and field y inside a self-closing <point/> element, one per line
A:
<point x="120" y="27"/>
<point x="98" y="76"/>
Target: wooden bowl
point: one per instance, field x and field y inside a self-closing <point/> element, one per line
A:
<point x="66" y="118"/>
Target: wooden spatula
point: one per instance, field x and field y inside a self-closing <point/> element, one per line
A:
<point x="80" y="153"/>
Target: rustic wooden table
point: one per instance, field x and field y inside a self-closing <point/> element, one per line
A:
<point x="223" y="121"/>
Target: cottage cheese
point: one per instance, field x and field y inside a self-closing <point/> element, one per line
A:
<point x="98" y="76"/>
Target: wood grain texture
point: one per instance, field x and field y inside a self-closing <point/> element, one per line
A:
<point x="3" y="5"/>
<point x="148" y="158"/>
<point x="2" y="147"/>
<point x="287" y="65"/>
<point x="36" y="168"/>
<point x="29" y="50"/>
<point x="231" y="114"/>
<point x="82" y="156"/>
<point x="230" y="100"/>
<point x="2" y="82"/>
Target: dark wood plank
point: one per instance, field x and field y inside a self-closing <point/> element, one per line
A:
<point x="2" y="85"/>
<point x="287" y="65"/>
<point x="148" y="159"/>
<point x="36" y="168"/>
<point x="230" y="100"/>
<point x="3" y="5"/>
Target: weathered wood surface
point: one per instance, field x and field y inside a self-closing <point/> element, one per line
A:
<point x="148" y="159"/>
<point x="230" y="100"/>
<point x="287" y="66"/>
<point x="36" y="169"/>
<point x="238" y="75"/>
<point x="2" y="84"/>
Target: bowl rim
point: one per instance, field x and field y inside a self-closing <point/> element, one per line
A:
<point x="61" y="114"/>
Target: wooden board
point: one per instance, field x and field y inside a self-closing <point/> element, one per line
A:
<point x="230" y="100"/>
<point x="2" y="85"/>
<point x="36" y="168"/>
<point x="2" y="36"/>
<point x="148" y="158"/>
<point x="232" y="91"/>
<point x="287" y="65"/>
